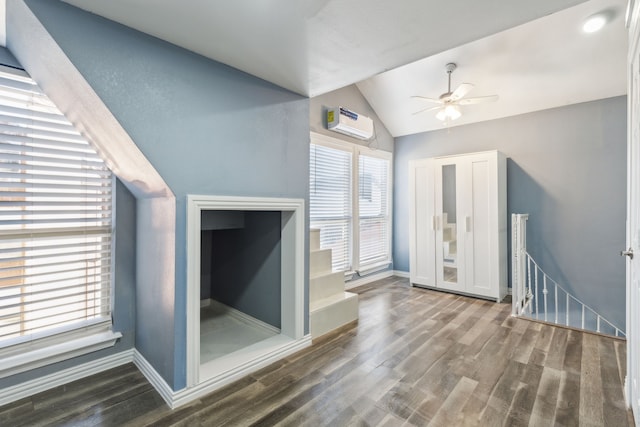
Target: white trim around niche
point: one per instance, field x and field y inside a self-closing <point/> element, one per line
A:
<point x="291" y="337"/>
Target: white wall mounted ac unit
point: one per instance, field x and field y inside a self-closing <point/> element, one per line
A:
<point x="345" y="121"/>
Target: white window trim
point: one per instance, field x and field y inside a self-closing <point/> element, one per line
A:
<point x="356" y="150"/>
<point x="28" y="356"/>
<point x="376" y="265"/>
<point x="67" y="343"/>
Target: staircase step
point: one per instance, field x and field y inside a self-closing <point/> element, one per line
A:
<point x="325" y="285"/>
<point x="319" y="262"/>
<point x="314" y="239"/>
<point x="332" y="312"/>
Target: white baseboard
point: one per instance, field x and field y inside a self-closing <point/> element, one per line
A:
<point x="368" y="279"/>
<point x="173" y="398"/>
<point x="181" y="397"/>
<point x="153" y="377"/>
<point x="403" y="274"/>
<point x="244" y="318"/>
<point x="65" y="376"/>
<point x="186" y="395"/>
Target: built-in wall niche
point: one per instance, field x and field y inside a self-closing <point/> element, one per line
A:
<point x="245" y="264"/>
<point x="240" y="261"/>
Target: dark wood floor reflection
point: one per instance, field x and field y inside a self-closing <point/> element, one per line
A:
<point x="416" y="357"/>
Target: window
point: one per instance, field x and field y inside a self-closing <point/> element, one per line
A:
<point x="55" y="227"/>
<point x="373" y="177"/>
<point x="347" y="179"/>
<point x="330" y="205"/>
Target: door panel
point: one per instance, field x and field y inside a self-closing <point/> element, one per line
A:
<point x="479" y="254"/>
<point x="422" y="255"/>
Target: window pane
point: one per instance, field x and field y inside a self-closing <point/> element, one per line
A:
<point x="330" y="202"/>
<point x="373" y="188"/>
<point x="55" y="219"/>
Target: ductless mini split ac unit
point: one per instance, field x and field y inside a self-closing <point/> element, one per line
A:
<point x="345" y="121"/>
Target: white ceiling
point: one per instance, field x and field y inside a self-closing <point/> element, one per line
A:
<point x="545" y="63"/>
<point x="315" y="46"/>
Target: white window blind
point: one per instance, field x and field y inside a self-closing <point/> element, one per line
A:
<point x="351" y="203"/>
<point x="330" y="201"/>
<point x="55" y="220"/>
<point x="373" y="203"/>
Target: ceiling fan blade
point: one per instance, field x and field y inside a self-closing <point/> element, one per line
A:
<point x="478" y="100"/>
<point x="460" y="91"/>
<point x="432" y="100"/>
<point x="427" y="109"/>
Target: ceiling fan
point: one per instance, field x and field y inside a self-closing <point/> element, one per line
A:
<point x="449" y="103"/>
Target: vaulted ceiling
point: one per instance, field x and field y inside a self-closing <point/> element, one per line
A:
<point x="530" y="53"/>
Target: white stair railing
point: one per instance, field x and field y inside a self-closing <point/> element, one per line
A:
<point x="536" y="295"/>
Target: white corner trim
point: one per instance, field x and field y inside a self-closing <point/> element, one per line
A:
<point x="403" y="274"/>
<point x="153" y="377"/>
<point x="65" y="376"/>
<point x="367" y="279"/>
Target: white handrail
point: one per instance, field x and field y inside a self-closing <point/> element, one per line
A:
<point x="526" y="292"/>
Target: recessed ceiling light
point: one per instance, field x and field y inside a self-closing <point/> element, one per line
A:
<point x="594" y="23"/>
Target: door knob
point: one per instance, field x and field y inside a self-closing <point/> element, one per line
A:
<point x="628" y="252"/>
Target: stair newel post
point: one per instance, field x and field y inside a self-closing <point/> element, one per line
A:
<point x="518" y="263"/>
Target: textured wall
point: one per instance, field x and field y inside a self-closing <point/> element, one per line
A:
<point x="206" y="128"/>
<point x="245" y="266"/>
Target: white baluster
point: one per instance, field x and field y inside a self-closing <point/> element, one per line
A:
<point x="556" y="301"/>
<point x="544" y="293"/>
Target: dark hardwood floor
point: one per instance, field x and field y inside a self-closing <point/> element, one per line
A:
<point x="416" y="357"/>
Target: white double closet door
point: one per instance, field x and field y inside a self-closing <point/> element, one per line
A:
<point x="459" y="224"/>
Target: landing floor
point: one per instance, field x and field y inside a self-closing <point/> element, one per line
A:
<point x="222" y="333"/>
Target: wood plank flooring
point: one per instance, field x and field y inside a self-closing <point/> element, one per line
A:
<point x="416" y="357"/>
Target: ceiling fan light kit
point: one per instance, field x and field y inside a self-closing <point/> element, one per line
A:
<point x="449" y="112"/>
<point x="449" y="102"/>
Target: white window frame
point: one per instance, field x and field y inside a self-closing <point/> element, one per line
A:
<point x="65" y="342"/>
<point x="380" y="263"/>
<point x="357" y="150"/>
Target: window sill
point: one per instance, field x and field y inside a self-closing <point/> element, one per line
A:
<point x="373" y="268"/>
<point x="41" y="356"/>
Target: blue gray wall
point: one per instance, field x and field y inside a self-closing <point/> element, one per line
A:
<point x="206" y="128"/>
<point x="566" y="168"/>
<point x="245" y="266"/>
